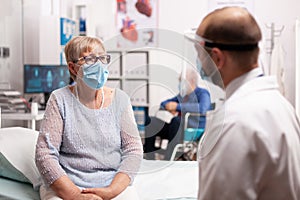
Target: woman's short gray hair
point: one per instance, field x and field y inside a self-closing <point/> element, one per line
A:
<point x="80" y="44"/>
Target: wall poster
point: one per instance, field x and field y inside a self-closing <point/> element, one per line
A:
<point x="137" y="22"/>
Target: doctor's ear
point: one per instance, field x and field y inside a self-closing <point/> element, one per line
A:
<point x="218" y="56"/>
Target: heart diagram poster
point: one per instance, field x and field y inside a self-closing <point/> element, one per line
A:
<point x="137" y="21"/>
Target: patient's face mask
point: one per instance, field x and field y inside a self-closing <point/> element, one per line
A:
<point x="95" y="75"/>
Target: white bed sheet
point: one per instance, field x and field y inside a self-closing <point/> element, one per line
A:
<point x="167" y="180"/>
<point x="156" y="180"/>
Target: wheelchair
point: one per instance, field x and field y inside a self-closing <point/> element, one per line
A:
<point x="187" y="149"/>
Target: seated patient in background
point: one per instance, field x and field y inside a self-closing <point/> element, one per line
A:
<point x="89" y="145"/>
<point x="191" y="98"/>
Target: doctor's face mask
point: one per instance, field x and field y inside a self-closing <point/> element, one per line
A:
<point x="203" y="62"/>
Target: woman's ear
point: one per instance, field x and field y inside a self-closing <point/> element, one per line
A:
<point x="218" y="57"/>
<point x="72" y="69"/>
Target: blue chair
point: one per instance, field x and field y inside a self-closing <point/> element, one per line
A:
<point x="193" y="134"/>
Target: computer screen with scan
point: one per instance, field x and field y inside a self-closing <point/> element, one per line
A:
<point x="45" y="78"/>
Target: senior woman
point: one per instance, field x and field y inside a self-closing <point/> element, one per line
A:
<point x="89" y="145"/>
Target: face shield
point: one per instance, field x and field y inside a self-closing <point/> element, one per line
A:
<point x="196" y="53"/>
<point x="203" y="62"/>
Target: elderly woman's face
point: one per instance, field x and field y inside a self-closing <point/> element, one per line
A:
<point x="86" y="57"/>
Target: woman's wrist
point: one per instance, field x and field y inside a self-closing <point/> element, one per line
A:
<point x="111" y="191"/>
<point x="65" y="188"/>
<point x="118" y="185"/>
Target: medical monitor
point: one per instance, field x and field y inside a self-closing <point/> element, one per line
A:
<point x="45" y="78"/>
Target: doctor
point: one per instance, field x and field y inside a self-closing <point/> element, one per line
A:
<point x="251" y="148"/>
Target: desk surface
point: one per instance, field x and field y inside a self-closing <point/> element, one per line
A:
<point x="23" y="116"/>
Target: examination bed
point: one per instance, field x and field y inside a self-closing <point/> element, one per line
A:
<point x="19" y="178"/>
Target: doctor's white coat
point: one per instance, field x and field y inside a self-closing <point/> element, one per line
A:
<point x="251" y="147"/>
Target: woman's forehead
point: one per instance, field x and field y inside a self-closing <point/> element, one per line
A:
<point x="96" y="48"/>
<point x="96" y="51"/>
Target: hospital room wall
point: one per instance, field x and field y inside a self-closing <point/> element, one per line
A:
<point x="281" y="13"/>
<point x="102" y="19"/>
<point x="170" y="17"/>
<point x="11" y="37"/>
<point x="11" y="31"/>
<point x="176" y="17"/>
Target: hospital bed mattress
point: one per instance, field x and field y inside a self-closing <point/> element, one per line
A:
<point x="156" y="180"/>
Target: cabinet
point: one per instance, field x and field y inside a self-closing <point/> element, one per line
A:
<point x="129" y="71"/>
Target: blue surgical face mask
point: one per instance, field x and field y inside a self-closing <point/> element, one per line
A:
<point x="200" y="70"/>
<point x="214" y="77"/>
<point x="95" y="75"/>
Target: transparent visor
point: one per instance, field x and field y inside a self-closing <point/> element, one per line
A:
<point x="195" y="47"/>
<point x="198" y="54"/>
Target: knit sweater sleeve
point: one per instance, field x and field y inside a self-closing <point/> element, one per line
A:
<point x="48" y="144"/>
<point x="132" y="151"/>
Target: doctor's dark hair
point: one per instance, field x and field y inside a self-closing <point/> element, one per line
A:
<point x="78" y="45"/>
<point x="234" y="26"/>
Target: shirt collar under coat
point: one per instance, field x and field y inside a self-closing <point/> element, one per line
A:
<point x="241" y="80"/>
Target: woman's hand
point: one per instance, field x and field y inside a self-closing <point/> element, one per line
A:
<point x="104" y="193"/>
<point x="118" y="185"/>
<point x="83" y="196"/>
